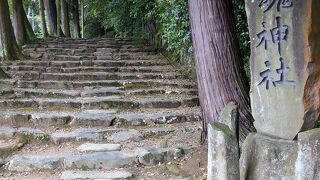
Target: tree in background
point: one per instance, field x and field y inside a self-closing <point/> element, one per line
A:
<point x="75" y="18"/>
<point x="59" y="30"/>
<point x="51" y="10"/>
<point x="19" y="23"/>
<point x="43" y="19"/>
<point x="8" y="46"/>
<point x="65" y="18"/>
<point x="220" y="74"/>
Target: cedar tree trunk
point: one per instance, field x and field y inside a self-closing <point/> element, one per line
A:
<point x="43" y="19"/>
<point x="50" y="7"/>
<point x="220" y="73"/>
<point x="8" y="46"/>
<point x="59" y="30"/>
<point x="75" y="18"/>
<point x="28" y="26"/>
<point x="65" y="18"/>
<point x="19" y="22"/>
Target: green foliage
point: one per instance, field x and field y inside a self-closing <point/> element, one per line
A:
<point x="243" y="32"/>
<point x="129" y="18"/>
<point x="174" y="28"/>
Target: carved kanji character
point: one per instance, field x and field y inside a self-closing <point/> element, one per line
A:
<point x="267" y="76"/>
<point x="264" y="36"/>
<point x="280" y="33"/>
<point x="282" y="71"/>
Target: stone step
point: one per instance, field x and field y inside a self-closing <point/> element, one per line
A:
<point x="98" y="102"/>
<point x="69" y="64"/>
<point x="132" y="84"/>
<point x="93" y="92"/>
<point x="34" y="75"/>
<point x="97" y="160"/>
<point x="94" y="118"/>
<point x="84" y="175"/>
<point x="130" y="69"/>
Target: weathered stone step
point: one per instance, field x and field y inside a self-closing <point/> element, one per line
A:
<point x="98" y="160"/>
<point x="147" y="69"/>
<point x="35" y="75"/>
<point x="65" y="64"/>
<point x="98" y="102"/>
<point x="84" y="175"/>
<point x="93" y="118"/>
<point x="132" y="84"/>
<point x="93" y="92"/>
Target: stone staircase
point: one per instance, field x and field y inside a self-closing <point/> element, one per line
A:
<point x="96" y="109"/>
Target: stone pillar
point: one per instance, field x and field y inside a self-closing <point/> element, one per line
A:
<point x="308" y="161"/>
<point x="285" y="65"/>
<point x="223" y="148"/>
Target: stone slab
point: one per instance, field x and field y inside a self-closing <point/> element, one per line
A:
<point x="285" y="65"/>
<point x="131" y="135"/>
<point x="22" y="164"/>
<point x="83" y="175"/>
<point x="82" y="134"/>
<point x="264" y="157"/>
<point x="156" y="156"/>
<point x="90" y="147"/>
<point x="99" y="160"/>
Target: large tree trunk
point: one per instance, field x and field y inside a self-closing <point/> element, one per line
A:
<point x="59" y="33"/>
<point x="75" y="18"/>
<point x="82" y="18"/>
<point x="43" y="19"/>
<point x="220" y="73"/>
<point x="52" y="16"/>
<point x="19" y="22"/>
<point x="65" y="18"/>
<point x="28" y="26"/>
<point x="8" y="46"/>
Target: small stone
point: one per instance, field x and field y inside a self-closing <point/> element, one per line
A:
<point x="6" y="132"/>
<point x="33" y="133"/>
<point x="131" y="135"/>
<point x="77" y="135"/>
<point x="50" y="119"/>
<point x="22" y="164"/>
<point x="9" y="145"/>
<point x="158" y="131"/>
<point x="155" y="156"/>
<point x="131" y="120"/>
<point x="99" y="160"/>
<point x="90" y="119"/>
<point x="110" y="175"/>
<point x="89" y="147"/>
<point x="159" y="103"/>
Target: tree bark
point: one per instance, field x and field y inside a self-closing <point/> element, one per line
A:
<point x="59" y="30"/>
<point x="28" y="26"/>
<point x="82" y="18"/>
<point x="19" y="21"/>
<point x="75" y="18"/>
<point x="43" y="19"/>
<point x="65" y="18"/>
<point x="220" y="73"/>
<point x="8" y="46"/>
<point x="51" y="9"/>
